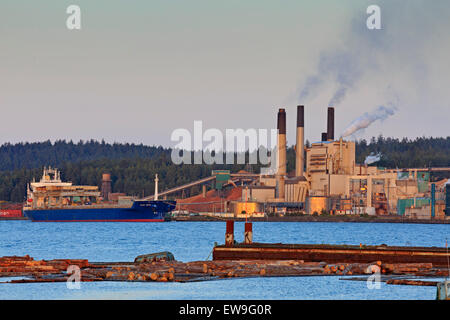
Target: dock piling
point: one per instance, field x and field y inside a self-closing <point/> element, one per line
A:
<point x="248" y="233"/>
<point x="229" y="234"/>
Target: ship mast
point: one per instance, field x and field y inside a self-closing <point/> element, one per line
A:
<point x="156" y="187"/>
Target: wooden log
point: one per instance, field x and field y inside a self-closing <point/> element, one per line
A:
<point x="404" y="268"/>
<point x="154" y="276"/>
<point x="358" y="268"/>
<point x="412" y="282"/>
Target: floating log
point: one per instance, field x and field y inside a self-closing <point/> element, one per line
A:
<point x="412" y="282"/>
<point x="154" y="257"/>
<point x="165" y="271"/>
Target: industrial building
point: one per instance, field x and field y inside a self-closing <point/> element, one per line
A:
<point x="326" y="179"/>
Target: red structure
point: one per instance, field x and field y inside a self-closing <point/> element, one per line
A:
<point x="11" y="210"/>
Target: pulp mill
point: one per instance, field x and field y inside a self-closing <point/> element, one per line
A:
<point x="326" y="179"/>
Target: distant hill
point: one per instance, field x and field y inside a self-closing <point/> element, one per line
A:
<point x="34" y="155"/>
<point x="132" y="167"/>
<point x="406" y="153"/>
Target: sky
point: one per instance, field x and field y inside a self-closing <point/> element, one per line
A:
<point x="138" y="70"/>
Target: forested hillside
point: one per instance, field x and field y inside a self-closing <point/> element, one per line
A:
<point x="406" y="153"/>
<point x="38" y="154"/>
<point x="133" y="167"/>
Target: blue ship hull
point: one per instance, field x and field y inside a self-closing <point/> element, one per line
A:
<point x="140" y="211"/>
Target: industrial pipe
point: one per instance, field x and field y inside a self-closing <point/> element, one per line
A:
<point x="299" y="149"/>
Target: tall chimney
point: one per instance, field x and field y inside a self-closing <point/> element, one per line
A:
<point x="281" y="172"/>
<point x="106" y="186"/>
<point x="155" y="197"/>
<point x="299" y="149"/>
<point x="330" y="124"/>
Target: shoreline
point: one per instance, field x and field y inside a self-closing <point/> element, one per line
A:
<point x="353" y="219"/>
<point x="370" y="219"/>
<point x="13" y="218"/>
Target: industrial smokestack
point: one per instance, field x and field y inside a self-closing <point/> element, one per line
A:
<point x="330" y="124"/>
<point x="299" y="150"/>
<point x="281" y="172"/>
<point x="324" y="136"/>
<point x="281" y="124"/>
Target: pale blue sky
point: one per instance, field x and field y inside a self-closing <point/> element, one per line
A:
<point x="140" y="69"/>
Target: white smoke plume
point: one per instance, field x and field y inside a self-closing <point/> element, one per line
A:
<point x="341" y="67"/>
<point x="365" y="54"/>
<point x="380" y="113"/>
<point x="372" y="158"/>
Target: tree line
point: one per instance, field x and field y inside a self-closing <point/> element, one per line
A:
<point x="406" y="153"/>
<point x="27" y="155"/>
<point x="133" y="167"/>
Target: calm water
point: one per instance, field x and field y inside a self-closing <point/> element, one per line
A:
<point x="190" y="241"/>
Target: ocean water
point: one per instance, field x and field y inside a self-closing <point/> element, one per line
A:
<point x="190" y="241"/>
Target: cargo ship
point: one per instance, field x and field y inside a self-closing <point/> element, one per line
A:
<point x="53" y="200"/>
